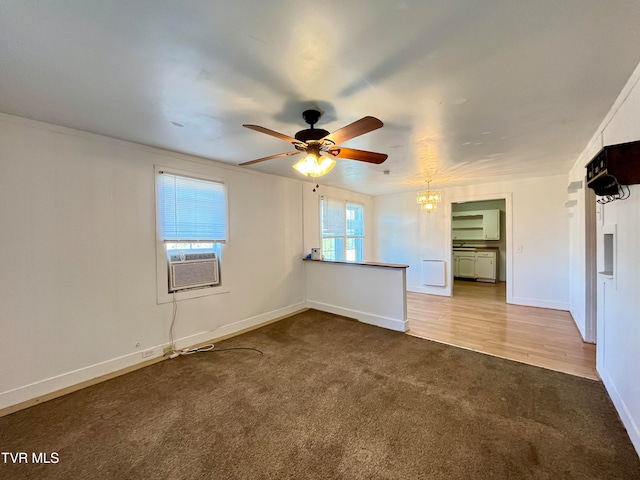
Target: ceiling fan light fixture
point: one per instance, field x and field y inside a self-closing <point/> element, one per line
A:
<point x="314" y="166"/>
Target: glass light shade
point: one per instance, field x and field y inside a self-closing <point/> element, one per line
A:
<point x="428" y="207"/>
<point x="312" y="166"/>
<point x="428" y="199"/>
<point x="434" y="197"/>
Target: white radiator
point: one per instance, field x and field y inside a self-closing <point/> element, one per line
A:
<point x="433" y="273"/>
<point x="193" y="270"/>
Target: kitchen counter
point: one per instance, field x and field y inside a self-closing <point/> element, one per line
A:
<point x="475" y="249"/>
<point x="364" y="264"/>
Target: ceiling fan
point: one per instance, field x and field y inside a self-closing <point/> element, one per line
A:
<point x="320" y="146"/>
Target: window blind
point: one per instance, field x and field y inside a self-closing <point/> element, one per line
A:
<point x="192" y="209"/>
<point x="332" y="221"/>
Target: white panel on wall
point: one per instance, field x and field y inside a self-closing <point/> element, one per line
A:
<point x="433" y="273"/>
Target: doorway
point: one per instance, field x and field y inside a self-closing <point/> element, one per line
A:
<point x="480" y="242"/>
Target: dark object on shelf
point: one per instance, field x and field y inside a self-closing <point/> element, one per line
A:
<point x="612" y="169"/>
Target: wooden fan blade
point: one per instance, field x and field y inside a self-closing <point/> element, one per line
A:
<point x="273" y="133"/>
<point x="355" y="129"/>
<point x="360" y="155"/>
<point x="288" y="154"/>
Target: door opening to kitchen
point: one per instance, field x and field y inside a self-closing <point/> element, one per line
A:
<point x="479" y="249"/>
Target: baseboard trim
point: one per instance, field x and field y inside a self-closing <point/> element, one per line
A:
<point x="627" y="419"/>
<point x="377" y="320"/>
<point x="441" y="291"/>
<point x="39" y="392"/>
<point x="534" y="302"/>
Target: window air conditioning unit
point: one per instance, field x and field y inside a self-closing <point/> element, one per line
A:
<point x="193" y="270"/>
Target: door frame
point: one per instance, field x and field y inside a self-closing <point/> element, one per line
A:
<point x="590" y="266"/>
<point x="508" y="205"/>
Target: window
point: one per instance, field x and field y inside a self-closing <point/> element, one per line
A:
<point x="192" y="219"/>
<point x="192" y="210"/>
<point x="342" y="226"/>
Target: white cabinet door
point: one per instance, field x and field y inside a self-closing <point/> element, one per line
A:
<point x="456" y="263"/>
<point x="467" y="267"/>
<point x="491" y="224"/>
<point x="486" y="266"/>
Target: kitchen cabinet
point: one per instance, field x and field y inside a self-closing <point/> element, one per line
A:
<point x="478" y="264"/>
<point x="486" y="266"/>
<point x="467" y="226"/>
<point x="467" y="267"/>
<point x="476" y="225"/>
<point x="464" y="264"/>
<point x="491" y="224"/>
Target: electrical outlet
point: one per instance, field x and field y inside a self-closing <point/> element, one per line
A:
<point x="148" y="353"/>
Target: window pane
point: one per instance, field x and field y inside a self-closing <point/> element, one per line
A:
<point x="355" y="219"/>
<point x="333" y="248"/>
<point x="355" y="249"/>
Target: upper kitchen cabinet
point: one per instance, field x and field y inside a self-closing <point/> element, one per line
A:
<point x="491" y="224"/>
<point x="476" y="225"/>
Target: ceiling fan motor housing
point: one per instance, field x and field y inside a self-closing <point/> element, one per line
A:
<point x="311" y="134"/>
<point x="311" y="117"/>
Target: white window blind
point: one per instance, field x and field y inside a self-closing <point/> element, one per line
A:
<point x="192" y="209"/>
<point x="332" y="221"/>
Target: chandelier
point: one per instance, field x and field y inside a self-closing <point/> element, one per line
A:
<point x="428" y="199"/>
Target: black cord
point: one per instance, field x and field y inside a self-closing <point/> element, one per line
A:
<point x="233" y="348"/>
<point x="624" y="192"/>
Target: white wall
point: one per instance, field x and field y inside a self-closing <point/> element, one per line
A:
<point x="312" y="237"/>
<point x="618" y="321"/>
<point x="536" y="222"/>
<point x="78" y="277"/>
<point x="371" y="294"/>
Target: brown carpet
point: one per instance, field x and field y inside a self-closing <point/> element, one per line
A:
<point x="330" y="398"/>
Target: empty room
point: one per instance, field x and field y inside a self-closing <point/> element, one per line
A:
<point x="353" y="240"/>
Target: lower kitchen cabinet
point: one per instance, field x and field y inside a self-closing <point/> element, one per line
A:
<point x="480" y="265"/>
<point x="466" y="264"/>
<point x="486" y="266"/>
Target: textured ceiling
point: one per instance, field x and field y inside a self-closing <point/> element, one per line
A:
<point x="469" y="91"/>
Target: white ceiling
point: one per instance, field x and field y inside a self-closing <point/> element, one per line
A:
<point x="469" y="91"/>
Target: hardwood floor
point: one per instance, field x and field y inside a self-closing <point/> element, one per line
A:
<point x="477" y="317"/>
